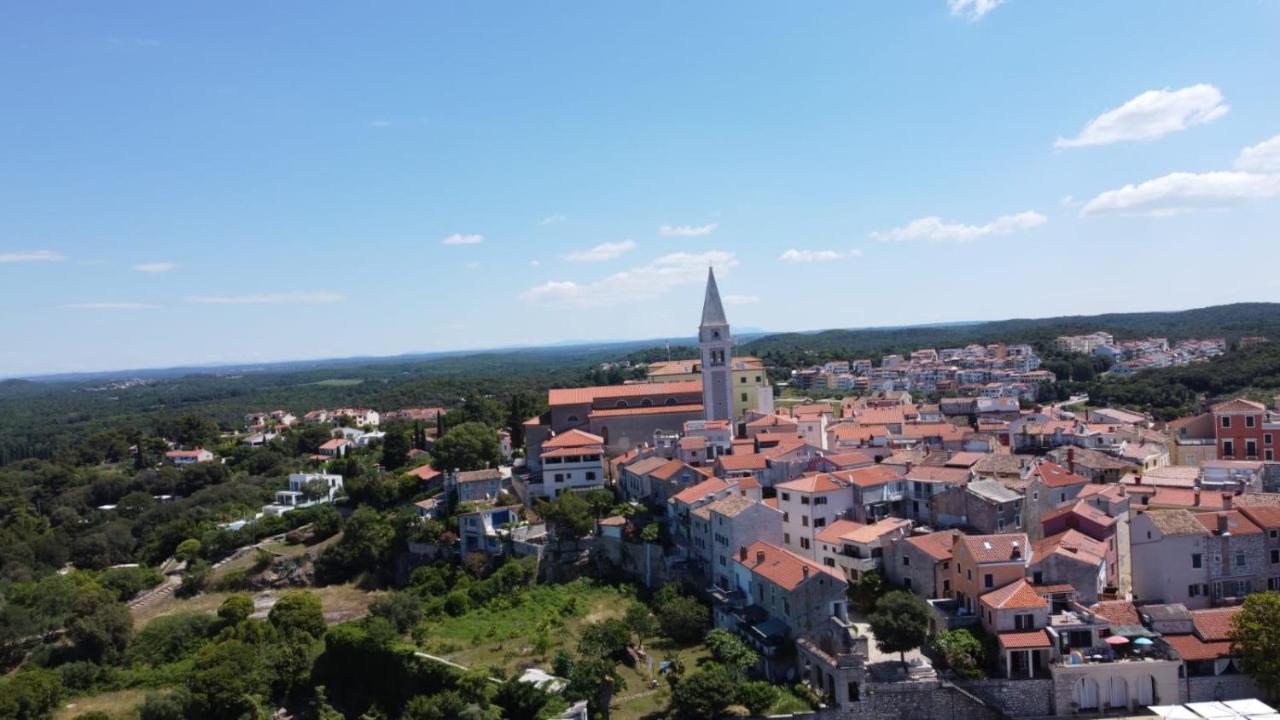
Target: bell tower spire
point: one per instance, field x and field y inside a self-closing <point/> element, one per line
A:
<point x="716" y="345"/>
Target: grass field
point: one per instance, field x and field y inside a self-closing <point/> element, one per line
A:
<point x="337" y="382"/>
<point x="341" y="603"/>
<point x="119" y="705"/>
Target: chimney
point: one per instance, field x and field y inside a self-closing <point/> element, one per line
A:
<point x="1137" y="479"/>
<point x="742" y="553"/>
<point x="1197" y="497"/>
<point x="1071" y="460"/>
<point x="759" y="557"/>
<point x="1226" y="500"/>
<point x="1015" y="551"/>
<point x="804" y="571"/>
<point x="1222" y="524"/>
<point x="909" y="465"/>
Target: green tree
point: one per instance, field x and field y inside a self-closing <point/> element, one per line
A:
<point x="867" y="592"/>
<point x="165" y="706"/>
<point x="962" y="651"/>
<point x="639" y="620"/>
<point x="596" y="680"/>
<point x="900" y="623"/>
<point x="188" y="550"/>
<point x="757" y="696"/>
<point x="736" y="656"/>
<point x="30" y="694"/>
<point x="100" y="627"/>
<point x="402" y="609"/>
<point x="226" y="681"/>
<point x="395" y="447"/>
<point x="445" y="705"/>
<point x="1255" y="634"/>
<point x="520" y="700"/>
<point x="606" y="638"/>
<point x="683" y="619"/>
<point x="468" y="446"/>
<point x="236" y="609"/>
<point x="298" y="612"/>
<point x="569" y="514"/>
<point x="703" y="694"/>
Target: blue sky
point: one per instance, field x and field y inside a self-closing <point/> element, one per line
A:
<point x="262" y="181"/>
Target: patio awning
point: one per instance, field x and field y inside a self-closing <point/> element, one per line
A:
<point x="1133" y="631"/>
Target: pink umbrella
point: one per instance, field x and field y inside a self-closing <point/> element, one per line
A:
<point x="1117" y="640"/>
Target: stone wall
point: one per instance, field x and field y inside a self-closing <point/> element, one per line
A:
<point x="925" y="700"/>
<point x="1221" y="687"/>
<point x="1015" y="698"/>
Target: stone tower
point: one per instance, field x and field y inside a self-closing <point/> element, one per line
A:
<point x="717" y="355"/>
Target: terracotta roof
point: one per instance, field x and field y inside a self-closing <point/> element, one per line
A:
<point x="335" y="443"/>
<point x="1239" y="405"/>
<point x="479" y="475"/>
<point x="1258" y="499"/>
<point x="1023" y="640"/>
<point x="1263" y="517"/>
<point x="1054" y="475"/>
<point x="847" y="432"/>
<point x="1192" y="648"/>
<point x="965" y="459"/>
<point x="849" y="460"/>
<point x="936" y="545"/>
<point x="1110" y="492"/>
<point x="1214" y="624"/>
<point x="734" y="463"/>
<point x="1081" y="509"/>
<point x="816" y="483"/>
<point x="772" y="421"/>
<point x="583" y="450"/>
<point x="834" y="533"/>
<point x="615" y="521"/>
<point x="870" y="476"/>
<point x="811" y="409"/>
<point x="1175" y="522"/>
<point x="1014" y="596"/>
<point x="694" y="493"/>
<point x="573" y="438"/>
<point x="692" y="442"/>
<point x="651" y="410"/>
<point x="783" y="568"/>
<point x="786" y="446"/>
<point x="673" y="467"/>
<point x="646" y="465"/>
<point x="1237" y="524"/>
<point x="1072" y="544"/>
<point x="875" y="532"/>
<point x="1117" y="612"/>
<point x="587" y="395"/>
<point x="995" y="548"/>
<point x="425" y="472"/>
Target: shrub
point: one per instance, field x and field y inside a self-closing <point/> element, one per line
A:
<point x="170" y="638"/>
<point x="758" y="696"/>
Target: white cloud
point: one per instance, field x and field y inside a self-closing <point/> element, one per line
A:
<point x="934" y="229"/>
<point x="741" y="299"/>
<point x="1263" y="157"/>
<point x="284" y="298"/>
<point x="31" y="256"/>
<point x="1181" y="191"/>
<point x="602" y="252"/>
<point x="809" y="256"/>
<point x="535" y="263"/>
<point x="1152" y="115"/>
<point x="472" y="265"/>
<point x="111" y="306"/>
<point x="688" y="230"/>
<point x="155" y="267"/>
<point x="972" y="9"/>
<point x="460" y="239"/>
<point x="643" y="282"/>
<point x="552" y="219"/>
<point x="380" y="124"/>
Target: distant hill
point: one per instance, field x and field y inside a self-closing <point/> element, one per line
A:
<point x="1229" y="321"/>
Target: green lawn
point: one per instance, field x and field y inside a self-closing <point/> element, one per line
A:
<point x="119" y="705"/>
<point x="546" y="619"/>
<point x="337" y="382"/>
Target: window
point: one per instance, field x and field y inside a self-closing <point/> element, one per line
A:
<point x="946" y="587"/>
<point x="906" y="583"/>
<point x="757" y="378"/>
<point x="559" y="477"/>
<point x="591" y="474"/>
<point x="804" y="500"/>
<point x="1239" y="559"/>
<point x="1273" y="534"/>
<point x="1193" y="591"/>
<point x="1249" y="421"/>
<point x="819" y="522"/>
<point x="1268" y="455"/>
<point x="786" y="517"/>
<point x="1226" y="421"/>
<point x="1228" y="448"/>
<point x="969" y="574"/>
<point x="786" y="538"/>
<point x="1035" y="495"/>
<point x="804" y="521"/>
<point x="1266" y="438"/>
<point x="988" y="580"/>
<point x="820" y="501"/>
<point x="744" y="397"/>
<point x="829" y="562"/>
<point x="1037" y="578"/>
<point x="906" y="561"/>
<point x="786" y="497"/>
<point x="1196" y="560"/>
<point x="804" y="543"/>
<point x="1275" y="557"/>
<point x="1251" y="448"/>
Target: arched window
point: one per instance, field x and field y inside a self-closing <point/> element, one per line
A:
<point x="622" y="403"/>
<point x="646" y="402"/>
<point x="671" y="401"/>
<point x="572" y="419"/>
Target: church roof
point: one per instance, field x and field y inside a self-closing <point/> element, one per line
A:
<point x="712" y="310"/>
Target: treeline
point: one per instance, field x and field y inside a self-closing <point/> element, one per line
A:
<point x="1172" y="392"/>
<point x="791" y="350"/>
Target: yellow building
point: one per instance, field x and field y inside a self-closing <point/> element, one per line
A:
<point x="751" y="387"/>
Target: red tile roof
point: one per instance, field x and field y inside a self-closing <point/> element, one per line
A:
<point x="704" y="489"/>
<point x="994" y="548"/>
<point x="849" y="460"/>
<point x="1215" y="624"/>
<point x="1264" y="517"/>
<point x="1192" y="648"/>
<point x="1237" y="524"/>
<point x="1117" y="612"/>
<point x="936" y="545"/>
<point x="935" y="474"/>
<point x="834" y="533"/>
<point x="673" y="467"/>
<point x="1014" y="596"/>
<point x="784" y="568"/>
<point x="652" y="410"/>
<point x="1057" y="476"/>
<point x="584" y="451"/>
<point x="1072" y="544"/>
<point x="736" y="462"/>
<point x="587" y="395"/>
<point x="871" y="476"/>
<point x="425" y="473"/>
<point x="573" y="438"/>
<point x="816" y="483"/>
<point x="1024" y="640"/>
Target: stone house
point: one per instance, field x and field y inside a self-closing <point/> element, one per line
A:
<point x="922" y="563"/>
<point x="1169" y="548"/>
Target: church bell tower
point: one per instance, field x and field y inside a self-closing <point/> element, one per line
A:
<point x="717" y="355"/>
